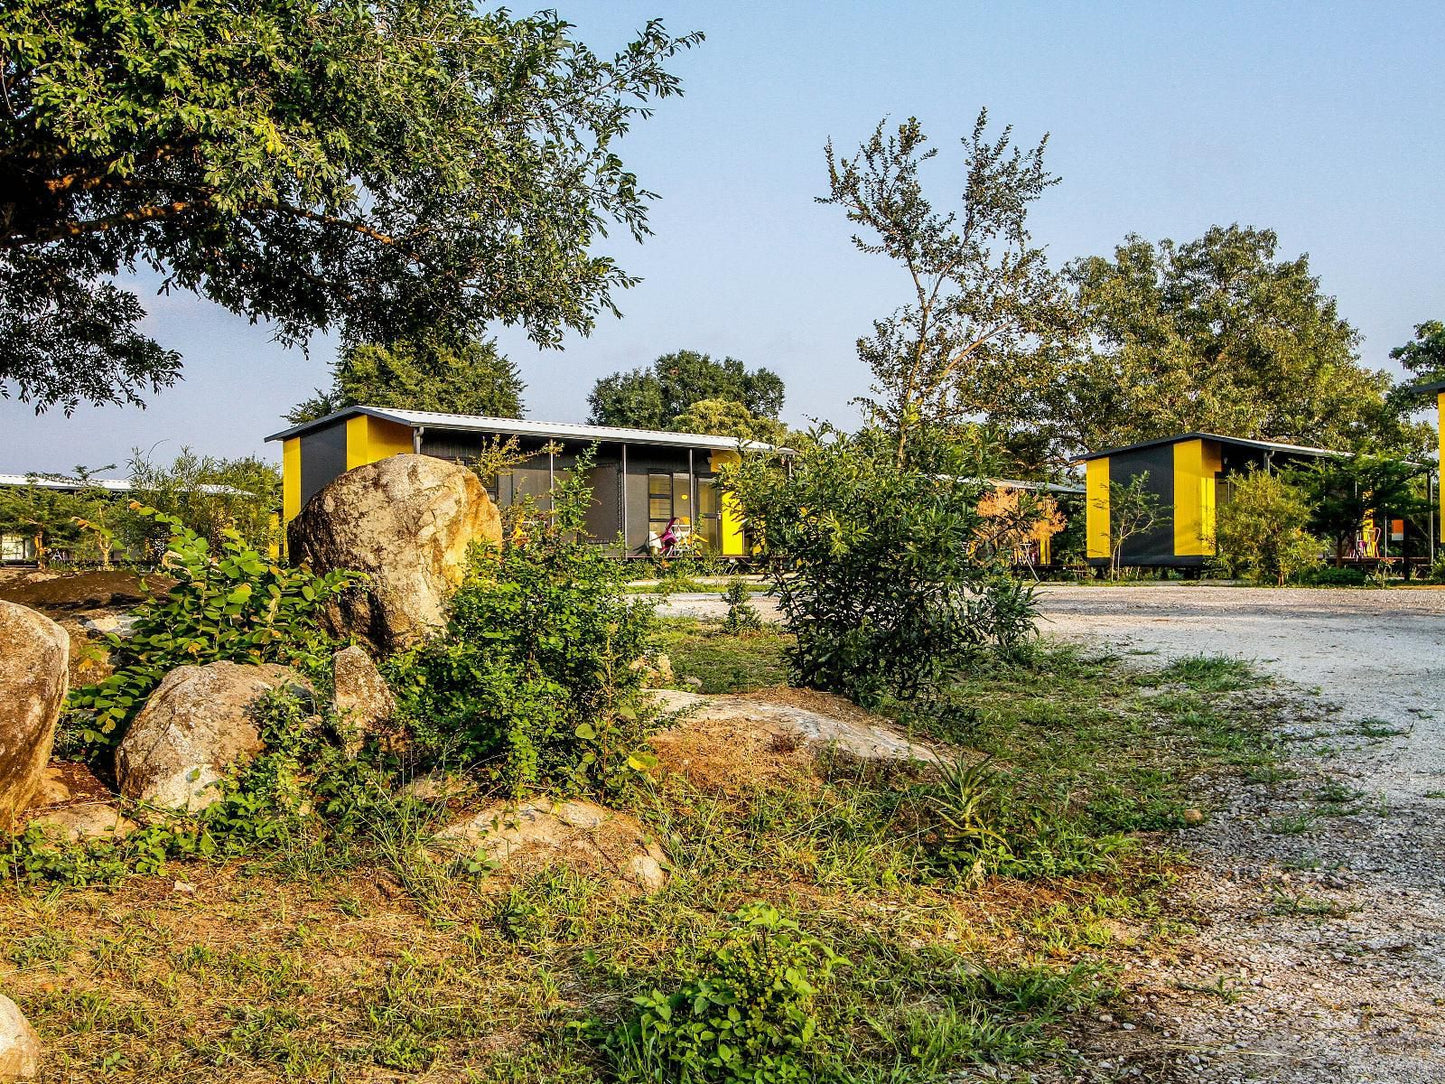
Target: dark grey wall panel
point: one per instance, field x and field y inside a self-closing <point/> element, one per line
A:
<point x="323" y="457"/>
<point x="1155" y="546"/>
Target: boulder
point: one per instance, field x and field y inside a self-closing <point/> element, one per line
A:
<point x="578" y="834"/>
<point x="364" y="703"/>
<point x="34" y="663"/>
<point x="81" y="822"/>
<point x="19" y="1045"/>
<point x="405" y="522"/>
<point x="194" y="729"/>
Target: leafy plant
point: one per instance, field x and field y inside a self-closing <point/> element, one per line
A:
<point x="228" y="604"/>
<point x="1261" y="532"/>
<point x="535" y="674"/>
<point x="875" y="563"/>
<point x="743" y="616"/>
<point x="747" y="1016"/>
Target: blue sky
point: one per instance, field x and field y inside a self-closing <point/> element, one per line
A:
<point x="1321" y="121"/>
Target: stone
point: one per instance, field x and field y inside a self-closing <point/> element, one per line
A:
<point x="34" y="668"/>
<point x="406" y="523"/>
<point x="84" y="821"/>
<point x="1193" y="817"/>
<point x="20" y="1048"/>
<point x="578" y="834"/>
<point x="364" y="703"/>
<point x="193" y="730"/>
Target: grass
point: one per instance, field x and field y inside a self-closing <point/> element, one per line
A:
<point x="367" y="963"/>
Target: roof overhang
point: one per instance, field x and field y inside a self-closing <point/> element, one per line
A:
<point x="508" y="427"/>
<point x="1435" y="387"/>
<point x="1236" y="442"/>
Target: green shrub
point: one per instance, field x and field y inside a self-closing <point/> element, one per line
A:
<point x="877" y="564"/>
<point x="1260" y="532"/>
<point x="742" y="615"/>
<point x="233" y="605"/>
<point x="537" y="674"/>
<point x="748" y="1016"/>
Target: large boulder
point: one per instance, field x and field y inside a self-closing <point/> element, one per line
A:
<point x="34" y="662"/>
<point x="194" y="729"/>
<point x="406" y="522"/>
<point x="19" y="1045"/>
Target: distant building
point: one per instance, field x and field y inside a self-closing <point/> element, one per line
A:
<point x="641" y="479"/>
<point x="1189" y="474"/>
<point x="17" y="547"/>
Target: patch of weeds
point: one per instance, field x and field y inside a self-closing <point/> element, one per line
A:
<point x="722" y="663"/>
<point x="1211" y="674"/>
<point x="1226" y="989"/>
<point x="1434" y="794"/>
<point x="1286" y="903"/>
<point x="1293" y="825"/>
<point x="1374" y="728"/>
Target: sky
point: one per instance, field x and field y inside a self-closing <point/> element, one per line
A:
<point x="1319" y="120"/>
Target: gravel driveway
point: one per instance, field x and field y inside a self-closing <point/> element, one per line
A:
<point x="1320" y="957"/>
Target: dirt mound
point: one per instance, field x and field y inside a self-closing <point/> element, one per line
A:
<point x="730" y="741"/>
<point x="81" y="590"/>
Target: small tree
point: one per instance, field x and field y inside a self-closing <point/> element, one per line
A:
<point x="43" y="514"/>
<point x="1342" y="492"/>
<point x="876" y="564"/>
<point x="652" y="397"/>
<point x="1261" y="532"/>
<point x="207" y="495"/>
<point x="1133" y="510"/>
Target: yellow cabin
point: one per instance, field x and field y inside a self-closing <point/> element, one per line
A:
<point x="641" y="479"/>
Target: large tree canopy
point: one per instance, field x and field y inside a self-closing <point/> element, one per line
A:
<point x="388" y="166"/>
<point x="653" y="397"/>
<point x="1219" y="335"/>
<point x="420" y="375"/>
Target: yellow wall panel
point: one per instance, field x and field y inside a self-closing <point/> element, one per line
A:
<point x="1096" y="502"/>
<point x="291" y="479"/>
<point x="369" y="439"/>
<point x="1196" y="464"/>
<point x="734" y="542"/>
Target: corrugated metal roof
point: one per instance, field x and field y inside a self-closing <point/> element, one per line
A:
<point x="478" y="423"/>
<point x="1238" y="442"/>
<point x="1432" y="388"/>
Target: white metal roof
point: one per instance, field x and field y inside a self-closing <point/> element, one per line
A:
<point x="477" y="423"/>
<point x="118" y="485"/>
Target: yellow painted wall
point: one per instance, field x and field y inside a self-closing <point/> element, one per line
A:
<point x="291" y="479"/>
<point x="1196" y="465"/>
<point x="369" y="439"/>
<point x="734" y="543"/>
<point x="1440" y="423"/>
<point x="1096" y="510"/>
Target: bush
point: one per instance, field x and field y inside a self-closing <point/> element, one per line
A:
<point x="538" y="672"/>
<point x="234" y="605"/>
<point x="1260" y="532"/>
<point x="877" y="566"/>
<point x="748" y="1016"/>
<point x="1335" y="577"/>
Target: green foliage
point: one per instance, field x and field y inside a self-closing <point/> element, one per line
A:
<point x="1216" y="335"/>
<point x="726" y="418"/>
<point x="982" y="300"/>
<point x="747" y="1015"/>
<point x="46" y="516"/>
<point x="875" y="564"/>
<point x="228" y="604"/>
<point x="1424" y="356"/>
<point x="205" y="494"/>
<point x="743" y="616"/>
<point x="660" y="396"/>
<point x="537" y="674"/>
<point x="1329" y="576"/>
<point x="1261" y="531"/>
<point x="1342" y="491"/>
<point x="389" y="168"/>
<point x="429" y="374"/>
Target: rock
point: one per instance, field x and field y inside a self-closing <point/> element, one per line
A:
<point x="1193" y="817"/>
<point x="656" y="671"/>
<point x="406" y="522"/>
<point x="195" y="728"/>
<point x="437" y="787"/>
<point x="105" y="624"/>
<point x="34" y="663"/>
<point x="19" y="1045"/>
<point x="575" y="833"/>
<point x="84" y="821"/>
<point x="364" y="703"/>
<point x="52" y="788"/>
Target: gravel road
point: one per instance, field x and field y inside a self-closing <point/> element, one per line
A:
<point x="1320" y="957"/>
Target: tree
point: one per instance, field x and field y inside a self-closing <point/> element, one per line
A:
<point x="203" y="494"/>
<point x="983" y="301"/>
<point x="425" y="375"/>
<point x="1424" y="357"/>
<point x="652" y="397"/>
<point x="726" y="418"/>
<point x="1342" y="492"/>
<point x="44" y="514"/>
<point x="1133" y="510"/>
<point x="1261" y="531"/>
<point x="1217" y="335"/>
<point x="385" y="168"/>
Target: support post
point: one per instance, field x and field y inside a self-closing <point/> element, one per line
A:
<point x="622" y="496"/>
